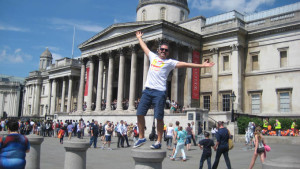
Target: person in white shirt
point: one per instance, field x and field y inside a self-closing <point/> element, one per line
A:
<point x="155" y="92"/>
<point x="169" y="136"/>
<point x="120" y="131"/>
<point x="125" y="127"/>
<point x="108" y="132"/>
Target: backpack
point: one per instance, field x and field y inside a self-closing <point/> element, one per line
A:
<point x="135" y="132"/>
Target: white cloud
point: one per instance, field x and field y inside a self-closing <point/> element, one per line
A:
<point x="80" y="25"/>
<point x="248" y="6"/>
<point x="56" y="56"/>
<point x="16" y="56"/>
<point x="6" y="27"/>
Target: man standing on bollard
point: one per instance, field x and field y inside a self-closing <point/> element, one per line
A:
<point x="155" y="92"/>
<point x="94" y="134"/>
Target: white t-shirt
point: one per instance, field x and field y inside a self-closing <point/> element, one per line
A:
<point x="106" y="133"/>
<point x="159" y="71"/>
<point x="170" y="131"/>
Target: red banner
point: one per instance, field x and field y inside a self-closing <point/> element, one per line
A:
<point x="196" y="76"/>
<point x="86" y="89"/>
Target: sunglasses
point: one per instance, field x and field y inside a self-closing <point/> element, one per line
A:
<point x="164" y="49"/>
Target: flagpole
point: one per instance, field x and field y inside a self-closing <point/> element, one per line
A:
<point x="73" y="42"/>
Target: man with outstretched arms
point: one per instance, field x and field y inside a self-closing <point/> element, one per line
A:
<point x="155" y="92"/>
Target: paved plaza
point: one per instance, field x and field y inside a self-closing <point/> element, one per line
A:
<point x="53" y="156"/>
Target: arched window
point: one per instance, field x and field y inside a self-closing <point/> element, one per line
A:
<point x="144" y="15"/>
<point x="182" y="17"/>
<point x="163" y="13"/>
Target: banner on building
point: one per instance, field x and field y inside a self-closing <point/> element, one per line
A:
<point x="86" y="89"/>
<point x="196" y="76"/>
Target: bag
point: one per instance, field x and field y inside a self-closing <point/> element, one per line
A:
<point x="267" y="148"/>
<point x="230" y="141"/>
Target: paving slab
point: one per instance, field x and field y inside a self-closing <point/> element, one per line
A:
<point x="53" y="156"/>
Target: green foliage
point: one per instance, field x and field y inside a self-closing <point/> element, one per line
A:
<point x="244" y="121"/>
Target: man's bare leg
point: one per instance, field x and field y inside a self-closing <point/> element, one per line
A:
<point x="141" y="124"/>
<point x="160" y="129"/>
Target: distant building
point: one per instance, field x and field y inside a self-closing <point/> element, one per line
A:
<point x="256" y="56"/>
<point x="11" y="95"/>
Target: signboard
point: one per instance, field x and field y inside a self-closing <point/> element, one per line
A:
<point x="86" y="89"/>
<point x="196" y="76"/>
<point x="190" y="116"/>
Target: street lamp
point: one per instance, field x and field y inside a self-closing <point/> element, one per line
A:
<point x="232" y="98"/>
<point x="46" y="111"/>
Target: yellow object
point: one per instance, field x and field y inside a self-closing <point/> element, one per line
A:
<point x="278" y="126"/>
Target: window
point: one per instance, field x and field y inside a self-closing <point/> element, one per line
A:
<point x="207" y="69"/>
<point x="42" y="110"/>
<point x="144" y="15"/>
<point x="29" y="109"/>
<point x="226" y="102"/>
<point x="163" y="13"/>
<point x="225" y="63"/>
<point x="284" y="101"/>
<point x="255" y="103"/>
<point x="206" y="102"/>
<point x="283" y="58"/>
<point x="255" y="65"/>
<point x="43" y="90"/>
<point x="182" y="17"/>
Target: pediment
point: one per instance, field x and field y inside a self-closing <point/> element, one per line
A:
<point x="116" y="30"/>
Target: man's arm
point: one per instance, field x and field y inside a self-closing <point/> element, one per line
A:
<point x="194" y="65"/>
<point x="143" y="45"/>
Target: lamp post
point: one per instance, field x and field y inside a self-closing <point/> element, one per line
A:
<point x="46" y="111"/>
<point x="232" y="98"/>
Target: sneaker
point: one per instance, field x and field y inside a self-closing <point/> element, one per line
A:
<point x="157" y="145"/>
<point x="139" y="143"/>
<point x="109" y="149"/>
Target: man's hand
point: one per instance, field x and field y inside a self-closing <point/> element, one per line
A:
<point x="139" y="34"/>
<point x="206" y="64"/>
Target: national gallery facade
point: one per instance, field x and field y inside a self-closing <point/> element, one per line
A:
<point x="256" y="55"/>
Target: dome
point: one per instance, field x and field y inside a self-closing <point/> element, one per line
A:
<point x="181" y="3"/>
<point x="46" y="54"/>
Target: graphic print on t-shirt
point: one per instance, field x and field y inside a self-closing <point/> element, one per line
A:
<point x="156" y="65"/>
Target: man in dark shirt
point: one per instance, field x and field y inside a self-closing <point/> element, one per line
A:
<point x="94" y="134"/>
<point x="222" y="145"/>
<point x="206" y="145"/>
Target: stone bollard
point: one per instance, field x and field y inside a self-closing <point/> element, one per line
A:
<point x="3" y="133"/>
<point x="285" y="162"/>
<point x="33" y="157"/>
<point x="75" y="157"/>
<point x="148" y="159"/>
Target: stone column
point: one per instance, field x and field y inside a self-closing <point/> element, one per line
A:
<point x="81" y="87"/>
<point x="121" y="81"/>
<point x="188" y="81"/>
<point x="53" y="100"/>
<point x="75" y="157"/>
<point x="146" y="69"/>
<point x="90" y="88"/>
<point x="62" y="103"/>
<point x="99" y="84"/>
<point x="109" y="83"/>
<point x="1" y="103"/>
<point x="32" y="99"/>
<point x="33" y="157"/>
<point x="69" y="94"/>
<point x="147" y="159"/>
<point x="27" y="100"/>
<point x="37" y="99"/>
<point x="236" y="69"/>
<point x="49" y="96"/>
<point x="215" y="83"/>
<point x="174" y="82"/>
<point x="132" y="79"/>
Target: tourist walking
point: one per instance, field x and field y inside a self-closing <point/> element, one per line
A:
<point x="190" y="134"/>
<point x="13" y="148"/>
<point x="222" y="145"/>
<point x="206" y="145"/>
<point x="120" y="129"/>
<point x="108" y="132"/>
<point x="70" y="130"/>
<point x="181" y="136"/>
<point x="169" y="136"/>
<point x="61" y="134"/>
<point x="259" y="147"/>
<point x="155" y="92"/>
<point x="94" y="134"/>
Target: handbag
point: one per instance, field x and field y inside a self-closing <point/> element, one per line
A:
<point x="267" y="148"/>
<point x="230" y="141"/>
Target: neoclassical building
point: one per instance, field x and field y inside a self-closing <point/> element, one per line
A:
<point x="256" y="57"/>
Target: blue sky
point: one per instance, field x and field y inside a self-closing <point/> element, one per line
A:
<point x="27" y="27"/>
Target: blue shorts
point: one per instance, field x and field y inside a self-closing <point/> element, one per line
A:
<point x="107" y="138"/>
<point x="152" y="97"/>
